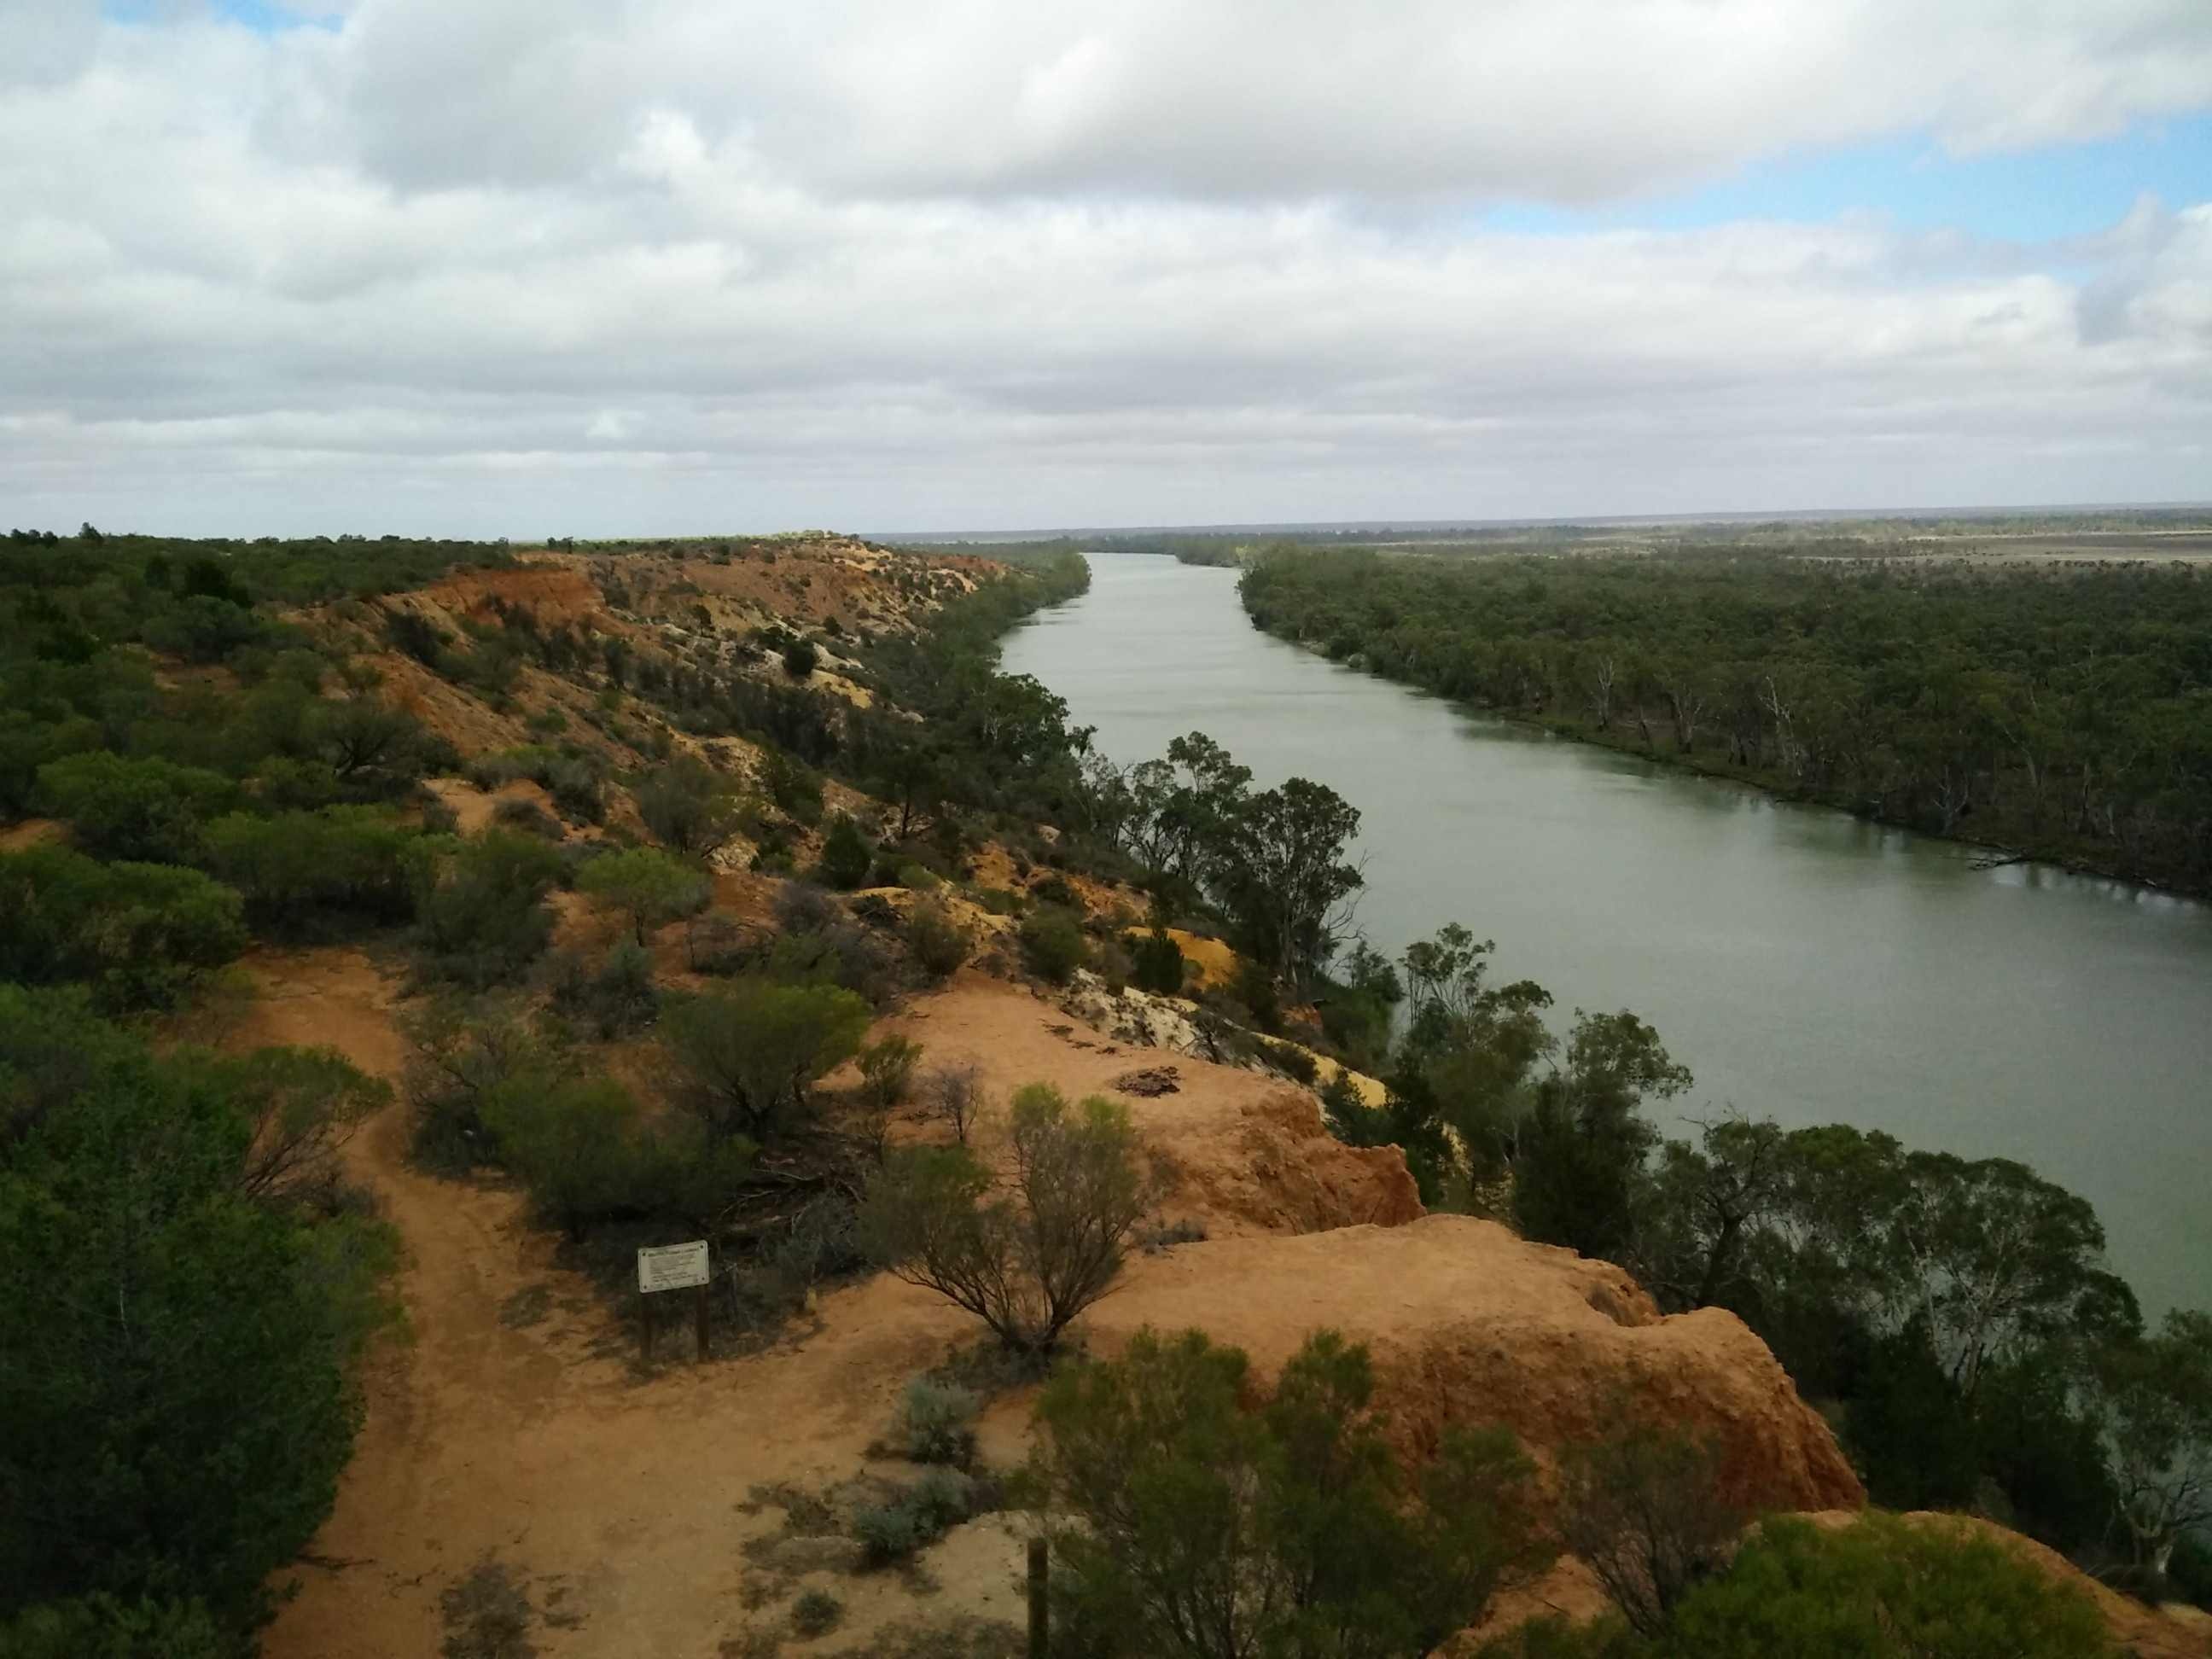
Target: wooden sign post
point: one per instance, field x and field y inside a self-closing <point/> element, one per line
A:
<point x="670" y="1268"/>
<point x="1040" y="1601"/>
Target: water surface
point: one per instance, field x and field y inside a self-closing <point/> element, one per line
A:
<point x="1805" y="965"/>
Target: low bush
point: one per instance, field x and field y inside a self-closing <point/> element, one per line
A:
<point x="649" y="887"/>
<point x="795" y="786"/>
<point x="1052" y="945"/>
<point x="613" y="997"/>
<point x="102" y="1627"/>
<point x="1157" y="963"/>
<point x="1643" y="1508"/>
<point x="139" y="935"/>
<point x="294" y="869"/>
<point x="846" y="854"/>
<point x="816" y="1612"/>
<point x="887" y="1068"/>
<point x="689" y="807"/>
<point x="529" y="817"/>
<point x="1886" y="1588"/>
<point x="938" y="944"/>
<point x="573" y="1141"/>
<point x="480" y="909"/>
<point x="744" y="1056"/>
<point x="915" y="1517"/>
<point x="146" y="810"/>
<point x="935" y="1422"/>
<point x="1055" y="890"/>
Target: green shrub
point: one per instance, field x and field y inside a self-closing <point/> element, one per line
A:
<point x="800" y="658"/>
<point x="1157" y="965"/>
<point x="573" y="1142"/>
<point x="1642" y="1507"/>
<point x="917" y="1516"/>
<point x="938" y="944"/>
<point x="372" y="748"/>
<point x="193" y="1433"/>
<point x="887" y="1071"/>
<point x="845" y="853"/>
<point x="1291" y="1060"/>
<point x="1185" y="1510"/>
<point x="462" y="1054"/>
<point x="684" y="1172"/>
<point x="746" y="1054"/>
<point x="1888" y="1588"/>
<point x="1052" y="945"/>
<point x="146" y="810"/>
<point x="816" y="1612"/>
<point x="292" y="867"/>
<point x="795" y="787"/>
<point x="1028" y="1263"/>
<point x="689" y="807"/>
<point x="1054" y="890"/>
<point x="650" y="888"/>
<point x="615" y="997"/>
<point x="138" y="934"/>
<point x="579" y="789"/>
<point x="102" y="1627"/>
<point x="1255" y="986"/>
<point x="935" y="1422"/>
<point x="529" y="817"/>
<point x="481" y="914"/>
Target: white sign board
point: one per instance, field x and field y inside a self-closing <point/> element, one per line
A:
<point x="672" y="1267"/>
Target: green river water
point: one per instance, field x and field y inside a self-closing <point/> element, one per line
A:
<point x="1805" y="965"/>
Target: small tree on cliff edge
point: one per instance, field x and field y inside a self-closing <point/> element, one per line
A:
<point x="1187" y="1523"/>
<point x="1028" y="1263"/>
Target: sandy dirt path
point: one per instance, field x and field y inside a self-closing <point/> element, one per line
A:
<point x="514" y="1425"/>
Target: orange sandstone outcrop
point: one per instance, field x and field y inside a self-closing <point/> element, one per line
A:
<point x="1250" y="1152"/>
<point x="1272" y="1163"/>
<point x="1469" y="1325"/>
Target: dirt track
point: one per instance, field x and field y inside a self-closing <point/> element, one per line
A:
<point x="515" y="1425"/>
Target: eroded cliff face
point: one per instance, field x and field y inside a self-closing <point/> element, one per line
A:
<point x="1247" y="1151"/>
<point x="1468" y="1325"/>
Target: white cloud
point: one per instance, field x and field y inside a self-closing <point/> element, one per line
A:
<point x="489" y="265"/>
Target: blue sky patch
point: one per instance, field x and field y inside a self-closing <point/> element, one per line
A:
<point x="261" y="16"/>
<point x="2028" y="196"/>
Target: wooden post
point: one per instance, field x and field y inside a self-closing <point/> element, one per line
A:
<point x="1040" y="1613"/>
<point x="702" y="1323"/>
<point x="645" y="1327"/>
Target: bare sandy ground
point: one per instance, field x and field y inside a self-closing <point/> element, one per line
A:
<point x="515" y="1426"/>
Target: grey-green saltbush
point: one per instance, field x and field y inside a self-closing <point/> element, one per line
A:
<point x="933" y="1422"/>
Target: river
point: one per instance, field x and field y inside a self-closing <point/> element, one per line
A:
<point x="1805" y="965"/>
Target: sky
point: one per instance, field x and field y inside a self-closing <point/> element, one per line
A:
<point x="594" y="267"/>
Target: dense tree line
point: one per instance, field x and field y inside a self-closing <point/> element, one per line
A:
<point x="1958" y="1312"/>
<point x="1273" y="863"/>
<point x="185" y="1281"/>
<point x="2064" y="713"/>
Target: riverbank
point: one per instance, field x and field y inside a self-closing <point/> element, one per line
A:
<point x="1774" y="785"/>
<point x="1806" y="964"/>
<point x="2054" y="717"/>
